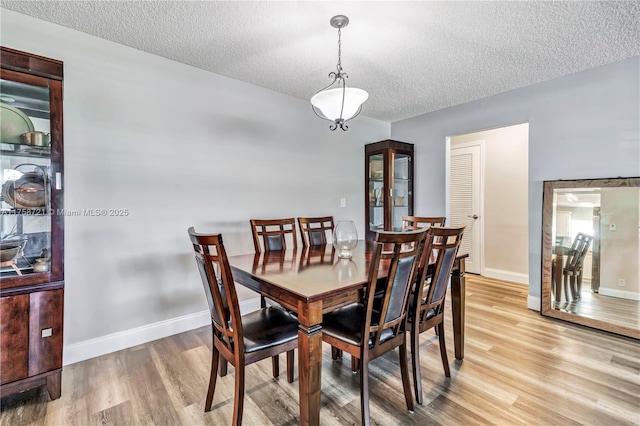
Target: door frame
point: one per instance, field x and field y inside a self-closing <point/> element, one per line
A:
<point x="448" y="149"/>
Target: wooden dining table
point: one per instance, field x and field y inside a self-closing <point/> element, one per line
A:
<point x="314" y="281"/>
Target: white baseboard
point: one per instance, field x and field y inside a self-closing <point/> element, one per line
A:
<point x="499" y="274"/>
<point x="631" y="295"/>
<point x="533" y="303"/>
<point x="92" y="348"/>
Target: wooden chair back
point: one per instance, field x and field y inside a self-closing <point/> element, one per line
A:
<point x="212" y="262"/>
<point x="576" y="255"/>
<point x="444" y="244"/>
<point x="313" y="230"/>
<point x="418" y="222"/>
<point x="271" y="234"/>
<point x="386" y="315"/>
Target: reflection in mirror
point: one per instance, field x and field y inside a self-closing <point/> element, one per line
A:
<point x="591" y="253"/>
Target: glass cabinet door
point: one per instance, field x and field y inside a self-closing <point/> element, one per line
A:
<point x="388" y="185"/>
<point x="402" y="189"/>
<point x="25" y="175"/>
<point x="376" y="197"/>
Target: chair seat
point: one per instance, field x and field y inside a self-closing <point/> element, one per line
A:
<point x="430" y="314"/>
<point x="268" y="327"/>
<point x="346" y="324"/>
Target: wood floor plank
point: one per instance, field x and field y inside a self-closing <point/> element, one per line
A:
<point x="115" y="415"/>
<point x="519" y="369"/>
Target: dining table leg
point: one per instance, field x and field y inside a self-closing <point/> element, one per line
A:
<point x="310" y="361"/>
<point x="458" y="306"/>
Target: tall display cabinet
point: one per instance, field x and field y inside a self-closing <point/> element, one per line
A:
<point x="388" y="185"/>
<point x="31" y="222"/>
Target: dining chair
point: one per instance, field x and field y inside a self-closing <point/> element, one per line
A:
<point x="427" y="304"/>
<point x="409" y="223"/>
<point x="313" y="230"/>
<point x="240" y="340"/>
<point x="373" y="327"/>
<point x="418" y="222"/>
<point x="270" y="235"/>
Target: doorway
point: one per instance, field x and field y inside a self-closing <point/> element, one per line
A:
<point x="488" y="191"/>
<point x="465" y="196"/>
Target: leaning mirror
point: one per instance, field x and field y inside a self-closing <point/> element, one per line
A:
<point x="591" y="253"/>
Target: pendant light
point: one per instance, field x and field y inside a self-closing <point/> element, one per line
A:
<point x="337" y="102"/>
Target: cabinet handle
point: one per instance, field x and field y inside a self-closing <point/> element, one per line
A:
<point x="47" y="332"/>
<point x="58" y="180"/>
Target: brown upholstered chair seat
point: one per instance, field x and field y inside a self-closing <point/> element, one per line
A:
<point x="346" y="324"/>
<point x="430" y="314"/>
<point x="267" y="328"/>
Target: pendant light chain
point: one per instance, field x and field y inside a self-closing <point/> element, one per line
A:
<point x="339" y="49"/>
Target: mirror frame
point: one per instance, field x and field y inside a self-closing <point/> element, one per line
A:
<point x="546" y="307"/>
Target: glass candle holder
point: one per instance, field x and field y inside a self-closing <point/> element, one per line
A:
<point x="345" y="238"/>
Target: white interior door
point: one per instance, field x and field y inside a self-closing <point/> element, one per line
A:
<point x="464" y="198"/>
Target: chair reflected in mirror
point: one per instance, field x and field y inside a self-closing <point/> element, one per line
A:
<point x="598" y="270"/>
<point x="572" y="268"/>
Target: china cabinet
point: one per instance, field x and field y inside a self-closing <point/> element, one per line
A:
<point x="31" y="222"/>
<point x="388" y="185"/>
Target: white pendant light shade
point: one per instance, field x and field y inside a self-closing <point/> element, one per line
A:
<point x="329" y="102"/>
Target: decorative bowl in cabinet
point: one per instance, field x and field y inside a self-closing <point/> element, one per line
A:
<point x="13" y="124"/>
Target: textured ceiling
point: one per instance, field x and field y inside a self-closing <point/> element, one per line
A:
<point x="412" y="57"/>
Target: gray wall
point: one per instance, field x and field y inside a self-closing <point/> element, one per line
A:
<point x="176" y="146"/>
<point x="585" y="125"/>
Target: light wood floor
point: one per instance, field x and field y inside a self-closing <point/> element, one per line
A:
<point x="519" y="369"/>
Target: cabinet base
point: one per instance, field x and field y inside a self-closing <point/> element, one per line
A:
<point x="52" y="379"/>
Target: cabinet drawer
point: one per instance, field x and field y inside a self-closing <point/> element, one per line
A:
<point x="14" y="338"/>
<point x="45" y="331"/>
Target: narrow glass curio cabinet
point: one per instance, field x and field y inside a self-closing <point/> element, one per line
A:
<point x="388" y="185"/>
<point x="31" y="222"/>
